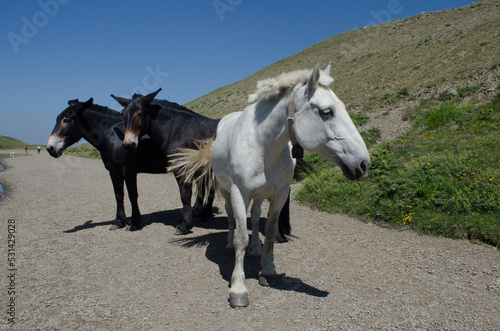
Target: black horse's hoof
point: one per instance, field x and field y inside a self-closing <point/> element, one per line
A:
<point x="181" y="230"/>
<point x="238" y="301"/>
<point x="269" y="280"/>
<point x="134" y="228"/>
<point x="115" y="227"/>
<point x="281" y="238"/>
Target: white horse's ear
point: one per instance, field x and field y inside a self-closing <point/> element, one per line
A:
<point x="328" y="67"/>
<point x="312" y="83"/>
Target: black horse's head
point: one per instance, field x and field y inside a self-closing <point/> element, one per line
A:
<point x="137" y="113"/>
<point x="68" y="129"/>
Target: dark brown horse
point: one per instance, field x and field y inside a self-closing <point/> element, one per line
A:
<point x="104" y="128"/>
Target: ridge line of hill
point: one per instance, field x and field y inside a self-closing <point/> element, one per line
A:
<point x="418" y="57"/>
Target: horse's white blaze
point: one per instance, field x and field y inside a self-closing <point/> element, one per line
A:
<point x="56" y="143"/>
<point x="130" y="139"/>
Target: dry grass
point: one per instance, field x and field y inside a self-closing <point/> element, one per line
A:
<point x="428" y="54"/>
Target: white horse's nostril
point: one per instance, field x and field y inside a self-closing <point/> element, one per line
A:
<point x="364" y="166"/>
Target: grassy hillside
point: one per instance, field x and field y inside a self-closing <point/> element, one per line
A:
<point x="13" y="143"/>
<point x="84" y="150"/>
<point x="441" y="178"/>
<point x="400" y="61"/>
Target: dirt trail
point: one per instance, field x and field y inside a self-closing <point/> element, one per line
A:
<point x="72" y="273"/>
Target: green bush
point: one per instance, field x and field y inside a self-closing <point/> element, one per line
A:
<point x="439" y="116"/>
<point x="360" y="119"/>
<point x="403" y="92"/>
<point x="447" y="96"/>
<point x="467" y="90"/>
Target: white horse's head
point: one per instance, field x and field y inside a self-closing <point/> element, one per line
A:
<point x="323" y="126"/>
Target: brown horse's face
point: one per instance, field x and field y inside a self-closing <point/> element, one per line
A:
<point x="135" y="122"/>
<point x="68" y="128"/>
<point x="136" y="117"/>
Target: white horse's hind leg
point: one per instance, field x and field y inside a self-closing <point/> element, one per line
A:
<point x="267" y="259"/>
<point x="255" y="248"/>
<point x="238" y="293"/>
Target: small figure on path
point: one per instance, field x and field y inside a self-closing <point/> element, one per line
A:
<point x="26" y="149"/>
<point x="39" y="149"/>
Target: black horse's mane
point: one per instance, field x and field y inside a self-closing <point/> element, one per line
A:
<point x="172" y="105"/>
<point x="167" y="105"/>
<point x="97" y="108"/>
<point x="106" y="111"/>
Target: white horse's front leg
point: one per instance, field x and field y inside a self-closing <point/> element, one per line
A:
<point x="267" y="260"/>
<point x="238" y="293"/>
<point x="230" y="220"/>
<point x="255" y="248"/>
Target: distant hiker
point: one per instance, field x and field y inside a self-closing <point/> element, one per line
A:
<point x="39" y="150"/>
<point x="26" y="149"/>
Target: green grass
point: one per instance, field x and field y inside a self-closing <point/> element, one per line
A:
<point x="442" y="178"/>
<point x="85" y="150"/>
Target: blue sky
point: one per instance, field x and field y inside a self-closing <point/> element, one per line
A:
<point x="52" y="51"/>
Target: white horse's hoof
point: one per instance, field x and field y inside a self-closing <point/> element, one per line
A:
<point x="238" y="301"/>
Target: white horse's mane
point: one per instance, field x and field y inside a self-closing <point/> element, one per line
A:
<point x="273" y="88"/>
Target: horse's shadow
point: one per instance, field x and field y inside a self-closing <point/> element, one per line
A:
<point x="216" y="248"/>
<point x="217" y="253"/>
<point x="167" y="217"/>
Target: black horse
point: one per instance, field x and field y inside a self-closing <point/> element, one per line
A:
<point x="173" y="126"/>
<point x="104" y="129"/>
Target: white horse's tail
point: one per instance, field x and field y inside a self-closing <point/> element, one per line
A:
<point x="194" y="166"/>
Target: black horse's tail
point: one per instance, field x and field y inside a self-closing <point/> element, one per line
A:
<point x="302" y="168"/>
<point x="194" y="166"/>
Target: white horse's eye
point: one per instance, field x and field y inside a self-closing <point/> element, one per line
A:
<point x="327" y="113"/>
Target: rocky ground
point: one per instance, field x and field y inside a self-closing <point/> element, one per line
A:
<point x="72" y="273"/>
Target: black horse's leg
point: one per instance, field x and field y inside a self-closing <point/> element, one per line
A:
<point x="131" y="181"/>
<point x="284" y="226"/>
<point x="117" y="180"/>
<point x="186" y="223"/>
<point x="204" y="212"/>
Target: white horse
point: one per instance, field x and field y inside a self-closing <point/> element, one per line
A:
<point x="251" y="155"/>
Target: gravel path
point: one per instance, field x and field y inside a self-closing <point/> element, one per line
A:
<point x="72" y="273"/>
